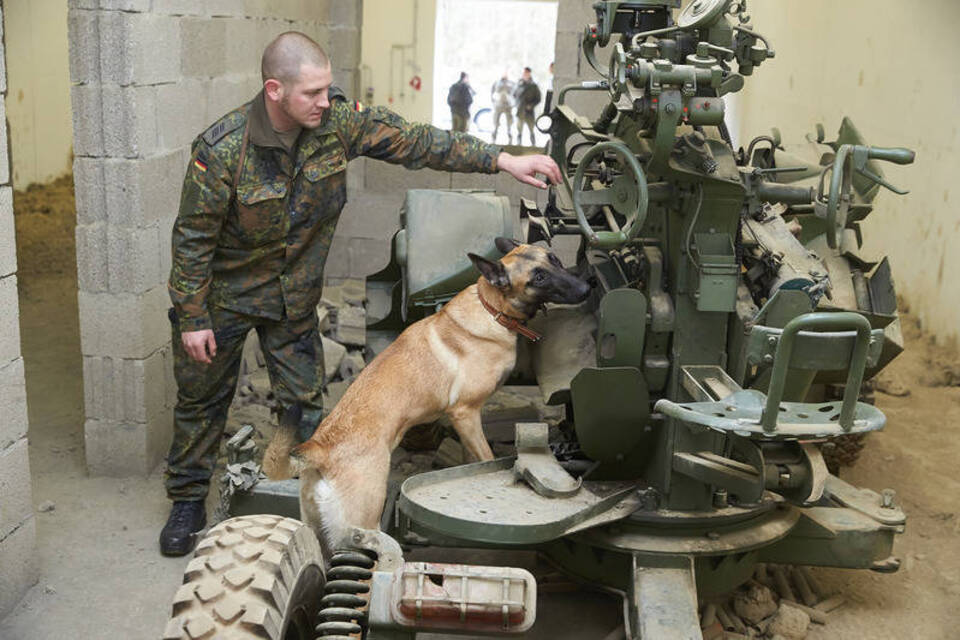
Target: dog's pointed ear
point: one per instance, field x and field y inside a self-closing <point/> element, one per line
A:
<point x="506" y="245"/>
<point x="492" y="270"/>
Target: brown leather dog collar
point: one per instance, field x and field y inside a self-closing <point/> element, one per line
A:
<point x="513" y="324"/>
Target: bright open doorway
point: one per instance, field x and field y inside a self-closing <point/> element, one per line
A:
<point x="487" y="39"/>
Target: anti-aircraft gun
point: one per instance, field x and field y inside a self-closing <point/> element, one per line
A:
<point x="728" y="290"/>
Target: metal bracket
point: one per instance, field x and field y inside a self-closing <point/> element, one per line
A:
<point x="537" y="466"/>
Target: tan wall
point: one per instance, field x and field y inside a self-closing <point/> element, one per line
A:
<point x="38" y="103"/>
<point x="892" y="67"/>
<point x="390" y="22"/>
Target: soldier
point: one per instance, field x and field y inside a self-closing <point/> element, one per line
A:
<point x="260" y="202"/>
<point x="527" y="95"/>
<point x="501" y="95"/>
<point x="460" y="97"/>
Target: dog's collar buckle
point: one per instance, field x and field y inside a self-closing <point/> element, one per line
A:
<point x="513" y="324"/>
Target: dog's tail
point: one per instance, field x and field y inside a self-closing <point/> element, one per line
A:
<point x="278" y="463"/>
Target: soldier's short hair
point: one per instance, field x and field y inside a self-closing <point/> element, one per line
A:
<point x="286" y="53"/>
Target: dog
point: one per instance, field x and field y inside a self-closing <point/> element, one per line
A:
<point x="447" y="363"/>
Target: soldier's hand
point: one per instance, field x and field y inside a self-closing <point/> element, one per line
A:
<point x="199" y="345"/>
<point x="526" y="168"/>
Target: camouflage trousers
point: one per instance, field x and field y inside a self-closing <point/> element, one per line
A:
<point x="525" y="118"/>
<point x="294" y="358"/>
<point x="508" y="113"/>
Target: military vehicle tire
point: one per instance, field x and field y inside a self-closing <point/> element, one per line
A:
<point x="252" y="577"/>
<point x="844" y="451"/>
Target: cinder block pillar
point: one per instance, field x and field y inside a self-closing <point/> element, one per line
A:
<point x="18" y="561"/>
<point x="148" y="77"/>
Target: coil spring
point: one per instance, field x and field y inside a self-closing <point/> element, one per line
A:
<point x="343" y="614"/>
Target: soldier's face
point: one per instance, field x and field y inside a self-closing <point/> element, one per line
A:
<point x="305" y="100"/>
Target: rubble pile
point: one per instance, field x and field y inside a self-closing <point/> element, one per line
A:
<point x="780" y="602"/>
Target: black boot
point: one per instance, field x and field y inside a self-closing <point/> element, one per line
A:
<point x="186" y="519"/>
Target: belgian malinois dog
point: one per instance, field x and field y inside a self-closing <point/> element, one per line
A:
<point x="448" y="363"/>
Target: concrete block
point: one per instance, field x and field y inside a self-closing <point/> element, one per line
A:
<point x="338" y="259"/>
<point x="83" y="4"/>
<point x="567" y="52"/>
<point x="125" y="5"/>
<point x="142" y="192"/>
<point x="130" y="120"/>
<point x="87" y="120"/>
<point x="8" y="244"/>
<point x="371" y="215"/>
<point x="473" y="181"/>
<point x="116" y="448"/>
<point x="242" y="49"/>
<point x="347" y="80"/>
<point x="345" y="47"/>
<point x="4" y="158"/>
<point x="575" y="14"/>
<point x="347" y="13"/>
<point x="9" y="320"/>
<point x="351" y="326"/>
<point x="13" y="403"/>
<point x="383" y="177"/>
<point x="17" y="504"/>
<point x="179" y="7"/>
<point x="123" y="389"/>
<point x="181" y="112"/>
<point x="84" y="42"/>
<point x="124" y="325"/>
<point x="133" y="259"/>
<point x="92" y="257"/>
<point x="356" y="170"/>
<point x="142" y="48"/>
<point x="225" y="8"/>
<point x="333" y="354"/>
<point x="203" y="47"/>
<point x="18" y="557"/>
<point x="351" y="365"/>
<point x="226" y="94"/>
<point x="367" y="256"/>
<point x="88" y="187"/>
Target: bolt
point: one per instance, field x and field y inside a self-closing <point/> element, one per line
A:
<point x="720" y="498"/>
<point x="772" y="340"/>
<point x="670" y="108"/>
<point x="768" y="359"/>
<point x="886" y="498"/>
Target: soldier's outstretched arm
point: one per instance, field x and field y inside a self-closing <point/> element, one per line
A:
<point x="382" y="134"/>
<point x="203" y="207"/>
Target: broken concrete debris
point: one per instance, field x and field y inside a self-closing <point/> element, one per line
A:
<point x="766" y="606"/>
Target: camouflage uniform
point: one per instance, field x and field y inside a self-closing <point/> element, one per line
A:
<point x="527" y="95"/>
<point x="252" y="257"/>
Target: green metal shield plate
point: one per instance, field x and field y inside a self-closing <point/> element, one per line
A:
<point x="621" y="329"/>
<point x="611" y="406"/>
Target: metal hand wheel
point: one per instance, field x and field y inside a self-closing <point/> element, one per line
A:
<point x="627" y="195"/>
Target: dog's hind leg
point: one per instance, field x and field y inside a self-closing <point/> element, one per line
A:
<point x="466" y="422"/>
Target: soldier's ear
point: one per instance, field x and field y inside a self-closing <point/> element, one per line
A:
<point x="506" y="245"/>
<point x="492" y="270"/>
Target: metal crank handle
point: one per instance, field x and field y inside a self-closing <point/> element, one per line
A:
<point x="897" y="155"/>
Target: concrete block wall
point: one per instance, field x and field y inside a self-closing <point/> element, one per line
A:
<point x="147" y="78"/>
<point x="570" y="67"/>
<point x="18" y="562"/>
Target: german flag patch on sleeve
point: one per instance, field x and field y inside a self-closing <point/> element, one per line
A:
<point x="358" y="106"/>
<point x="200" y="165"/>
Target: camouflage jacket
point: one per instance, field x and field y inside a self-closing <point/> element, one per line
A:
<point x="260" y="248"/>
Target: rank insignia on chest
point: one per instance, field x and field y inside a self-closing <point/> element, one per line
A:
<point x="200" y="165"/>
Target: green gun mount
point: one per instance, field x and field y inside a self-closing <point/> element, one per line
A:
<point x="729" y="293"/>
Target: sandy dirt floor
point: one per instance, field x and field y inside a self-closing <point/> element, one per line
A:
<point x="101" y="575"/>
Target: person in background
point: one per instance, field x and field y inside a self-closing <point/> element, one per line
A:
<point x="501" y="95"/>
<point x="527" y="95"/>
<point x="460" y="97"/>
